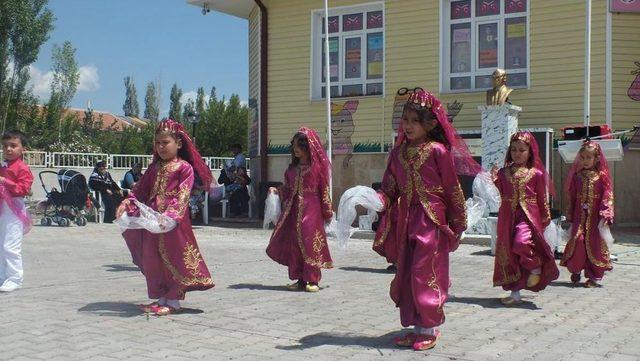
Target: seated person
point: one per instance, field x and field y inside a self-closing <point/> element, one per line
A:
<point x="132" y="176"/>
<point x="111" y="194"/>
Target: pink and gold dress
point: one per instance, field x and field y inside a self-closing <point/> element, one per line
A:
<point x="423" y="218"/>
<point x="522" y="218"/>
<point x="171" y="262"/>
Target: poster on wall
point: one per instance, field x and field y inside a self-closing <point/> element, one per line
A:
<point x="353" y="57"/>
<point x="374" y="56"/>
<point x="461" y="48"/>
<point x="625" y="6"/>
<point x="488" y="45"/>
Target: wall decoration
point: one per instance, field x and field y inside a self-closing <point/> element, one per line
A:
<point x="634" y="89"/>
<point x="460" y="9"/>
<point x="627" y="6"/>
<point x="342" y="127"/>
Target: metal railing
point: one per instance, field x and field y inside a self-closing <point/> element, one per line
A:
<point x="41" y="159"/>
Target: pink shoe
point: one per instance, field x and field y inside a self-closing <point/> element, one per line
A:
<point x="426" y="342"/>
<point x="149" y="308"/>
<point x="406" y="341"/>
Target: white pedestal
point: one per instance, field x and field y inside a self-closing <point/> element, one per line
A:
<point x="499" y="123"/>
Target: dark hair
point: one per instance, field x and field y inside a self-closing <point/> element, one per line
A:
<point x="13" y="134"/>
<point x="182" y="151"/>
<point x="425" y="115"/>
<point x="303" y="142"/>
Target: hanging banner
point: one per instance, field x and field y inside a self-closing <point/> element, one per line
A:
<point x="625" y="6"/>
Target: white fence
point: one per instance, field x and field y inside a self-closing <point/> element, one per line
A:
<point x="40" y="159"/>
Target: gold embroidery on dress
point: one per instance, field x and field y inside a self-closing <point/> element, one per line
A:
<point x="433" y="284"/>
<point x="191" y="259"/>
<point x="298" y="187"/>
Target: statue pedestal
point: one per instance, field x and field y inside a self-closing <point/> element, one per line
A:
<point x="499" y="123"/>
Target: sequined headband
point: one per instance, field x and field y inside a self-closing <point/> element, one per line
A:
<point x="169" y="126"/>
<point x="590" y="145"/>
<point x="421" y="97"/>
<point x="523" y="137"/>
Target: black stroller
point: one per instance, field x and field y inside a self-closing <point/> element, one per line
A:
<point x="68" y="205"/>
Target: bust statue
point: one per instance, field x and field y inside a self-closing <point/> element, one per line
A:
<point x="500" y="92"/>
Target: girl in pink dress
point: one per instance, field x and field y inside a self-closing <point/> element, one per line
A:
<point x="170" y="261"/>
<point x="590" y="193"/>
<point x="424" y="215"/>
<point x="523" y="258"/>
<point x="299" y="240"/>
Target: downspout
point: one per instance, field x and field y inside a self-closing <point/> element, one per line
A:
<point x="264" y="96"/>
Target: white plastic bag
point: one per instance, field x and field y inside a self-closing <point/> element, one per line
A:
<point x="476" y="207"/>
<point x="605" y="233"/>
<point x="149" y="219"/>
<point x="555" y="235"/>
<point x="272" y="210"/>
<point x="484" y="188"/>
<point x="358" y="195"/>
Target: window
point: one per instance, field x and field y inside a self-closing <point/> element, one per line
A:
<point x="480" y="36"/>
<point x="356" y="51"/>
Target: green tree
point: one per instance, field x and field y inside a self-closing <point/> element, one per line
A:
<point x="63" y="88"/>
<point x="130" y="107"/>
<point x="175" y="107"/>
<point x="151" y="107"/>
<point x="24" y="26"/>
<point x="65" y="74"/>
<point x="200" y="101"/>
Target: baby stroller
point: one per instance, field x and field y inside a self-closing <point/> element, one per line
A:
<point x="68" y="205"/>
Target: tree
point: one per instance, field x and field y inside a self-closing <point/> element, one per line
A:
<point x="151" y="107"/>
<point x="130" y="107"/>
<point x="24" y="26"/>
<point x="65" y="74"/>
<point x="200" y="106"/>
<point x="175" y="108"/>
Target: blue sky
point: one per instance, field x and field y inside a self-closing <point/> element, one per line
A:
<point x="148" y="40"/>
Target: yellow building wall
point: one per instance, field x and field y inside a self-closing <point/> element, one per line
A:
<point x="254" y="80"/>
<point x="412" y="43"/>
<point x="625" y="52"/>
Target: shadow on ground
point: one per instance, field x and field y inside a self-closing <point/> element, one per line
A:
<point x="344" y="339"/>
<point x="491" y="302"/>
<point x="120" y="268"/>
<point x="257" y="287"/>
<point x="367" y="269"/>
<point x="125" y="309"/>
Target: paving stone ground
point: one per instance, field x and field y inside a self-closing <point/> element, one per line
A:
<point x="78" y="303"/>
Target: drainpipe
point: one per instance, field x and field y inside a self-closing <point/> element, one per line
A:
<point x="264" y="96"/>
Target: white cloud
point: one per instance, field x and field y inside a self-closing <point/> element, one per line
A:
<point x="40" y="81"/>
<point x="192" y="95"/>
<point x="89" y="80"/>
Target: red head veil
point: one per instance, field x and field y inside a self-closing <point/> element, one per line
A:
<point x="188" y="152"/>
<point x="462" y="158"/>
<point x="600" y="165"/>
<point x="534" y="155"/>
<point x="320" y="164"/>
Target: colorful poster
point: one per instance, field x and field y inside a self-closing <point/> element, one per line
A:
<point x="353" y="58"/>
<point x="488" y="45"/>
<point x="375" y="56"/>
<point x="460" y="48"/>
<point x="626" y="6"/>
<point x="333" y="59"/>
<point x="334" y="24"/>
<point x="515" y="50"/>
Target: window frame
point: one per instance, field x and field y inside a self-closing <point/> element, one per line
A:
<point x="317" y="50"/>
<point x="475" y="21"/>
